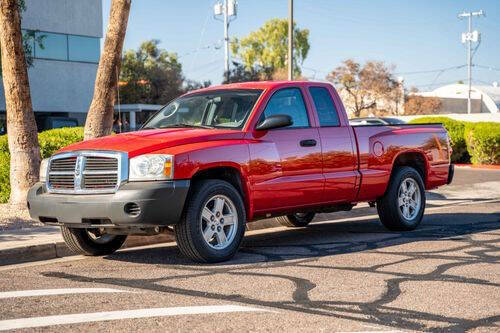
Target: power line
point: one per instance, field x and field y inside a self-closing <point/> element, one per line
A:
<point x="431" y="70"/>
<point x="487" y="67"/>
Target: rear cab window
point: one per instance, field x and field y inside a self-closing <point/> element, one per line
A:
<point x="325" y="107"/>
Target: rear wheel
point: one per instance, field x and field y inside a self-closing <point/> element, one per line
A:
<point x="213" y="225"/>
<point x="403" y="205"/>
<point x="91" y="242"/>
<point x="296" y="220"/>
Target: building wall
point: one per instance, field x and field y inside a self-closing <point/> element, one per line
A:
<point x="62" y="85"/>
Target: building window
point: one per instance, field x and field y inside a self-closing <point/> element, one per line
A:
<point x="64" y="47"/>
<point x="83" y="48"/>
<point x="55" y="46"/>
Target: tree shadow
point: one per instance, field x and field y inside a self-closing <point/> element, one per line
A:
<point x="300" y="249"/>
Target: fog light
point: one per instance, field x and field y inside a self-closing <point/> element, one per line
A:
<point x="132" y="209"/>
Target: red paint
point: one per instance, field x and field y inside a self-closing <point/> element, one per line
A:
<point x="348" y="164"/>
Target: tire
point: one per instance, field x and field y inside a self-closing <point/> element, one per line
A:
<point x="296" y="220"/>
<point x="83" y="241"/>
<point x="391" y="207"/>
<point x="202" y="234"/>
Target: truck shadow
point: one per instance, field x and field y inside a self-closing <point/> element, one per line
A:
<point x="300" y="249"/>
<point x="325" y="238"/>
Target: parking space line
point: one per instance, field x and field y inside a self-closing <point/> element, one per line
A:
<point x="60" y="291"/>
<point x="77" y="318"/>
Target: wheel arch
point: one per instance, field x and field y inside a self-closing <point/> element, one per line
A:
<point x="229" y="173"/>
<point x="415" y="159"/>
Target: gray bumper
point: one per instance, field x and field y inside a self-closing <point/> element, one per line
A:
<point x="160" y="203"/>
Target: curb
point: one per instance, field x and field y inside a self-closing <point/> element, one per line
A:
<point x="47" y="251"/>
<point x="478" y="166"/>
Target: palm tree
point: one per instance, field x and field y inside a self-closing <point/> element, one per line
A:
<point x="21" y="126"/>
<point x="100" y="116"/>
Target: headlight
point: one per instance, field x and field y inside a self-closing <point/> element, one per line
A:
<point x="43" y="169"/>
<point x="151" y="167"/>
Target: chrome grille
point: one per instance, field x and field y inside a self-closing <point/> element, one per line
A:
<point x="64" y="164"/>
<point x="87" y="172"/>
<point x="62" y="181"/>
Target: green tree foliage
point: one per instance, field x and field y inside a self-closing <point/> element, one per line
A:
<point x="240" y="73"/>
<point x="150" y="75"/>
<point x="266" y="49"/>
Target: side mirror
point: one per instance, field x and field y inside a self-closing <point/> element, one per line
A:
<point x="275" y="121"/>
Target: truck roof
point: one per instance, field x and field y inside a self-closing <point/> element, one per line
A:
<point x="260" y="85"/>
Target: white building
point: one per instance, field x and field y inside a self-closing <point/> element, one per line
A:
<point x="63" y="73"/>
<point x="484" y="99"/>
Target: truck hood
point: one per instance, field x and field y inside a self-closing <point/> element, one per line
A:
<point x="147" y="141"/>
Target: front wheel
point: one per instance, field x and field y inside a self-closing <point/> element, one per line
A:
<point x="213" y="224"/>
<point x="402" y="207"/>
<point x="91" y="242"/>
<point x="295" y="220"/>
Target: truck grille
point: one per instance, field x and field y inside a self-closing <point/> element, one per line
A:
<point x="85" y="172"/>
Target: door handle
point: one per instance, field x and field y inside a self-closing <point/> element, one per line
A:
<point x="308" y="143"/>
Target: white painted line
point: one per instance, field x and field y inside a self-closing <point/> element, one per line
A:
<point x="77" y="318"/>
<point x="62" y="291"/>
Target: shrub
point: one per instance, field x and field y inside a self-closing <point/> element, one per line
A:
<point x="456" y="131"/>
<point x="50" y="141"/>
<point x="483" y="142"/>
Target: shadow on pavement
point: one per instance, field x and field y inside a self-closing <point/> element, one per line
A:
<point x="301" y="249"/>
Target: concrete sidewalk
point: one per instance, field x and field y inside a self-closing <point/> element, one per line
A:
<point x="43" y="243"/>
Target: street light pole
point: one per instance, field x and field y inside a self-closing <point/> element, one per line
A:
<point x="290" y="40"/>
<point x="469" y="37"/>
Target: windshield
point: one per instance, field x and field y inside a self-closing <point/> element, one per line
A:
<point x="212" y="109"/>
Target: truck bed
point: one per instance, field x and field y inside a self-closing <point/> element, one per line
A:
<point x="380" y="146"/>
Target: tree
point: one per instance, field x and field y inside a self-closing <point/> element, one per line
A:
<point x="364" y="85"/>
<point x="240" y="73"/>
<point x="21" y="127"/>
<point x="190" y="85"/>
<point x="415" y="104"/>
<point x="268" y="46"/>
<point x="100" y="116"/>
<point x="150" y="75"/>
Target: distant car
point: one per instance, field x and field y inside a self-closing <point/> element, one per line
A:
<point x="376" y="121"/>
<point x="50" y="122"/>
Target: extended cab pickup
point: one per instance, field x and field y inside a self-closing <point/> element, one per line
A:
<point x="214" y="159"/>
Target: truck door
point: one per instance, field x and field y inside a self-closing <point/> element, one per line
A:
<point x="289" y="158"/>
<point x="339" y="153"/>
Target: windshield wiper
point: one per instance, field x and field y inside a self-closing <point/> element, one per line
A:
<point x="186" y="125"/>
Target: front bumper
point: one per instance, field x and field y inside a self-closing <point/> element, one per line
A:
<point x="160" y="203"/>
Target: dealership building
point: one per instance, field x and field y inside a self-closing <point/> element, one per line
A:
<point x="64" y="69"/>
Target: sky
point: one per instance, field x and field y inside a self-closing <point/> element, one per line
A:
<point x="413" y="36"/>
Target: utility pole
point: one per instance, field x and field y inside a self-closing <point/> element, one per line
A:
<point x="290" y="40"/>
<point x="469" y="37"/>
<point x="228" y="11"/>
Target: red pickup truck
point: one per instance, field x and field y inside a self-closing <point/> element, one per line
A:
<point x="216" y="158"/>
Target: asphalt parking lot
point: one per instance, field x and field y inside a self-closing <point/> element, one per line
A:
<point x="344" y="273"/>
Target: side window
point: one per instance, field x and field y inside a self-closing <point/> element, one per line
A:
<point x="327" y="113"/>
<point x="288" y="101"/>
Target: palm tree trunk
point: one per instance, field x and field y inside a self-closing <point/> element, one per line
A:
<point x="21" y="125"/>
<point x="100" y="116"/>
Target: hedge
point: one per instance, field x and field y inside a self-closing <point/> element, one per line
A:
<point x="478" y="143"/>
<point x="50" y="141"/>
<point x="483" y="142"/>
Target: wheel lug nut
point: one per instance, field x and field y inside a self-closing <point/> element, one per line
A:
<point x="213" y="227"/>
<point x="218" y="228"/>
<point x="212" y="218"/>
<point x="221" y="221"/>
<point x="218" y="214"/>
